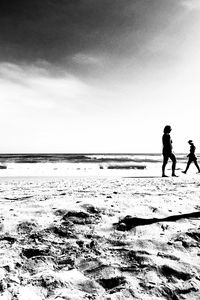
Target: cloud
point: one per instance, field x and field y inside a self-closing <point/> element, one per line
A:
<point x="191" y="4"/>
<point x="79" y="35"/>
<point x="53" y="31"/>
<point x="87" y="59"/>
<point x="29" y="86"/>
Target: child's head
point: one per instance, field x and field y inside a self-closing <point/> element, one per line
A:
<point x="190" y="142"/>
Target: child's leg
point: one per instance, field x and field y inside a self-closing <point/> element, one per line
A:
<point x="196" y="164"/>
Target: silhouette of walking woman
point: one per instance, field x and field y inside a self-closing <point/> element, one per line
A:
<point x="191" y="157"/>
<point x="167" y="151"/>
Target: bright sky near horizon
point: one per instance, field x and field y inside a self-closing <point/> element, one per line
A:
<point x="98" y="76"/>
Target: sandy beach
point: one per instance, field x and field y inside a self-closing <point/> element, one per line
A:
<point x="100" y="149"/>
<point x="65" y="238"/>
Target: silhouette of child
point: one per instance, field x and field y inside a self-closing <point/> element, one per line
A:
<point x="191" y="157"/>
<point x="167" y="151"/>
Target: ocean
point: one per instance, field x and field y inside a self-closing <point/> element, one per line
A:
<point x="83" y="164"/>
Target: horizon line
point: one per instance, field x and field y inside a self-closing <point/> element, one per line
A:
<point x="88" y="153"/>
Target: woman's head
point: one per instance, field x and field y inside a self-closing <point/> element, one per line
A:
<point x="167" y="129"/>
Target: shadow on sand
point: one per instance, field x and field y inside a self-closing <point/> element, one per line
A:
<point x="130" y="222"/>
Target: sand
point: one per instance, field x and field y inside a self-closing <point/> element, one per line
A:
<point x="66" y="238"/>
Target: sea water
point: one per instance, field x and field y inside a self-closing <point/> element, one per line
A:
<point x="91" y="164"/>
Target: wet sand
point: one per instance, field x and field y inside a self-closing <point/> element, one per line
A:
<point x="66" y="238"/>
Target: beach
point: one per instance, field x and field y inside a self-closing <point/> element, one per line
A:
<point x="66" y="238"/>
<point x="99" y="126"/>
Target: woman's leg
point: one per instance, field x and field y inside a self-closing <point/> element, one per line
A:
<point x="173" y="158"/>
<point x="165" y="160"/>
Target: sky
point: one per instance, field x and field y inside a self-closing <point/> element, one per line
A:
<point x="98" y="75"/>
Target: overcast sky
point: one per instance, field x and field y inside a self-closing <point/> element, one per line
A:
<point x="98" y="75"/>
